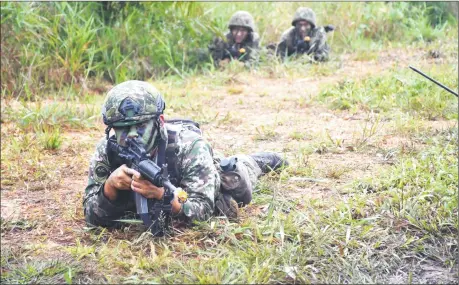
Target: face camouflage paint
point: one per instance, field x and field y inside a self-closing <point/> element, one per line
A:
<point x="145" y="131"/>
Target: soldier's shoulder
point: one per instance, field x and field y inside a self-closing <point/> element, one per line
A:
<point x="101" y="146"/>
<point x="182" y="133"/>
<point x="320" y="28"/>
<point x="185" y="138"/>
<point x="319" y="31"/>
<point x="287" y="33"/>
<point x="99" y="168"/>
<point x="217" y="42"/>
<point x="255" y="41"/>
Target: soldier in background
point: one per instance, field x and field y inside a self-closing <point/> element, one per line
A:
<point x="214" y="184"/>
<point x="305" y="37"/>
<point x="241" y="43"/>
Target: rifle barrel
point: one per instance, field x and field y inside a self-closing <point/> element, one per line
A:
<point x="434" y="81"/>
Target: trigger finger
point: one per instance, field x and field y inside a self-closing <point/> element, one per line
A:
<point x="136" y="175"/>
<point x="132" y="172"/>
<point x="135" y="184"/>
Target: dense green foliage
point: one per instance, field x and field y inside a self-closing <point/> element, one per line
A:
<point x="46" y="46"/>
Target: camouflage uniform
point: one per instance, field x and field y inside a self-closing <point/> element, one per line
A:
<point x="247" y="51"/>
<point x="191" y="166"/>
<point x="314" y="43"/>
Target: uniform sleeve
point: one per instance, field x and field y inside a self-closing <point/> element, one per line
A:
<point x="98" y="209"/>
<point x="217" y="50"/>
<point x="253" y="51"/>
<point x="319" y="47"/>
<point x="200" y="180"/>
<point x="284" y="47"/>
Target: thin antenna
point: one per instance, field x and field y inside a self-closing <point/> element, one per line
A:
<point x="434" y="81"/>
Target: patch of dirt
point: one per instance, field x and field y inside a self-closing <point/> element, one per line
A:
<point x="426" y="274"/>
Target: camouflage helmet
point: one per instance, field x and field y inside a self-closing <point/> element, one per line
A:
<point x="304" y="14"/>
<point x="242" y="19"/>
<point x="131" y="102"/>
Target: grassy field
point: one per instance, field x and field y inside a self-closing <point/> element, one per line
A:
<point x="371" y="193"/>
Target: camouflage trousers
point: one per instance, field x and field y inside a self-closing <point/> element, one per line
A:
<point x="241" y="181"/>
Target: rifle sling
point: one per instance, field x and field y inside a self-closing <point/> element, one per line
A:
<point x="161" y="153"/>
<point x="155" y="220"/>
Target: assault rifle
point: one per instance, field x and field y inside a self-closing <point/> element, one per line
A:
<point x="434" y="81"/>
<point x="155" y="214"/>
<point x="303" y="45"/>
<point x="224" y="52"/>
<point x="232" y="53"/>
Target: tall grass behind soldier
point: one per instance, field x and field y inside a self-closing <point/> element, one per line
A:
<point x="305" y="37"/>
<point x="241" y="43"/>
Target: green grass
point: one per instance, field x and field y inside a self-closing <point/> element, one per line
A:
<point x="35" y="131"/>
<point x="297" y="135"/>
<point x="408" y="125"/>
<point x="265" y="132"/>
<point x="336" y="172"/>
<point x="382" y="227"/>
<point x="397" y="91"/>
<point x="47" y="116"/>
<point x="385" y="226"/>
<point x="50" y="140"/>
<point x="51" y="271"/>
<point x="392" y="227"/>
<point x="423" y="188"/>
<point x="35" y="273"/>
<point x="53" y="46"/>
<point x="389" y="226"/>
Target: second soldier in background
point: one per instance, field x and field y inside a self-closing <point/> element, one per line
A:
<point x="305" y="37"/>
<point x="241" y="43"/>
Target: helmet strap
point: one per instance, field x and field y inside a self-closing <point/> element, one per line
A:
<point x="156" y="134"/>
<point x="107" y="131"/>
<point x="249" y="37"/>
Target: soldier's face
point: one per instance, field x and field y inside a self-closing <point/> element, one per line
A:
<point x="239" y="34"/>
<point x="303" y="27"/>
<point x="144" y="131"/>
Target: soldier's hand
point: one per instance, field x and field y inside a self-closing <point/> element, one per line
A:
<point x="120" y="179"/>
<point x="145" y="187"/>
